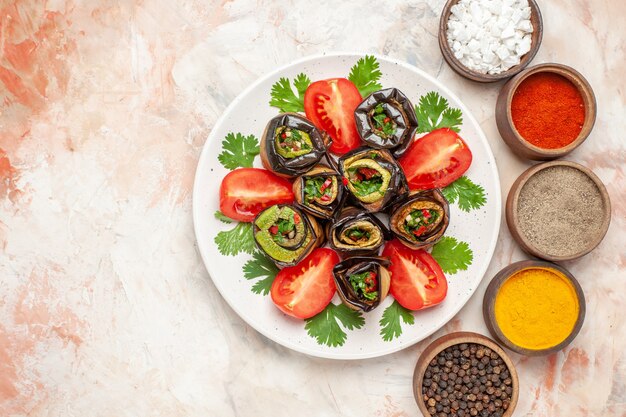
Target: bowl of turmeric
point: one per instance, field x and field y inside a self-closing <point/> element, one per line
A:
<point x="545" y="111"/>
<point x="534" y="307"/>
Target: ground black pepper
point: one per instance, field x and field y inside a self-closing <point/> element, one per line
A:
<point x="560" y="210"/>
<point x="461" y="381"/>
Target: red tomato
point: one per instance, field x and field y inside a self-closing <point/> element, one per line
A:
<point x="305" y="289"/>
<point x="435" y="160"/>
<point x="417" y="280"/>
<point x="245" y="192"/>
<point x="330" y="105"/>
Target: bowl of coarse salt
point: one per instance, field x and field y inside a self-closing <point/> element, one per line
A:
<point x="489" y="40"/>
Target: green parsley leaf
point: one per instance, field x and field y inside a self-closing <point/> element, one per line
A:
<point x="367" y="187"/>
<point x="452" y="255"/>
<point x="390" y="327"/>
<point x="260" y="267"/>
<point x="326" y="328"/>
<point x="238" y="151"/>
<point x="283" y="97"/>
<point x="433" y="112"/>
<point x="469" y="195"/>
<point x="221" y="217"/>
<point x="236" y="240"/>
<point x="365" y="75"/>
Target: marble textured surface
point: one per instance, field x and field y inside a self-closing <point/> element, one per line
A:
<point x="105" y="306"/>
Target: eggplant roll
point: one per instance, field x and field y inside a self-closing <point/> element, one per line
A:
<point x="386" y="120"/>
<point x="291" y="145"/>
<point x="285" y="234"/>
<point x="373" y="178"/>
<point x="355" y="232"/>
<point x="319" y="191"/>
<point x="362" y="282"/>
<point x="421" y="220"/>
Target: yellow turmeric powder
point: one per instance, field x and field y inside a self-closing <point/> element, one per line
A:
<point x="536" y="308"/>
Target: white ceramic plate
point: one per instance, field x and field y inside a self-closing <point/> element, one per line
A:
<point x="248" y="114"/>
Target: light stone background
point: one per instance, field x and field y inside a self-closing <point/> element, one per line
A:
<point x="105" y="307"/>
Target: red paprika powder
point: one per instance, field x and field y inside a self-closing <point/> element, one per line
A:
<point x="548" y="110"/>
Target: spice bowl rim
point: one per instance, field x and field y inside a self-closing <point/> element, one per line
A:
<point x="496" y="283"/>
<point x="459" y="68"/>
<point x="504" y="118"/>
<point x="512" y="219"/>
<point x="456" y="338"/>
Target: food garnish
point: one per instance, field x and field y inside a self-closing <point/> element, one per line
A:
<point x="433" y="112"/>
<point x="365" y="75"/>
<point x="464" y="191"/>
<point x="328" y="326"/>
<point x="283" y="97"/>
<point x="238" y="151"/>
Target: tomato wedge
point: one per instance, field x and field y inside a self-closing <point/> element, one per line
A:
<point x="417" y="280"/>
<point x="245" y="192"/>
<point x="330" y="105"/>
<point x="305" y="289"/>
<point x="435" y="160"/>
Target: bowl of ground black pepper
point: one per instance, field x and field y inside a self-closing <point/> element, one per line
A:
<point x="558" y="210"/>
<point x="465" y="374"/>
<point x="545" y="111"/>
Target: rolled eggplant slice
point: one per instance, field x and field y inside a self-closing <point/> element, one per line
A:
<point x="291" y="145"/>
<point x="386" y="120"/>
<point x="319" y="191"/>
<point x="373" y="178"/>
<point x="362" y="282"/>
<point x="285" y="234"/>
<point x="421" y="220"/>
<point x="355" y="232"/>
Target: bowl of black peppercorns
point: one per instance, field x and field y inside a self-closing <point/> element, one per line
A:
<point x="465" y="374"/>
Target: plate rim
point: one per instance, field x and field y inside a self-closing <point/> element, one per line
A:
<point x="330" y="354"/>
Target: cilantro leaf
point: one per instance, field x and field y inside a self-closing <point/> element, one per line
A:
<point x="222" y="217"/>
<point x="260" y="267"/>
<point x="452" y="255"/>
<point x="283" y="97"/>
<point x="235" y="240"/>
<point x="390" y="327"/>
<point x="469" y="195"/>
<point x="238" y="151"/>
<point x="365" y="75"/>
<point x="433" y="112"/>
<point x="326" y="328"/>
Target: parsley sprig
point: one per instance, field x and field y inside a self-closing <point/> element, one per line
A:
<point x="236" y="240"/>
<point x="365" y="75"/>
<point x="222" y="217"/>
<point x="434" y="112"/>
<point x="328" y="326"/>
<point x="390" y="326"/>
<point x="468" y="194"/>
<point x="238" y="151"/>
<point x="283" y="96"/>
<point x="452" y="255"/>
<point x="260" y="267"/>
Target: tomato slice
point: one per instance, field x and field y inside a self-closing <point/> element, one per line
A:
<point x="305" y="289"/>
<point x="417" y="280"/>
<point x="330" y="105"/>
<point x="435" y="160"/>
<point x="242" y="197"/>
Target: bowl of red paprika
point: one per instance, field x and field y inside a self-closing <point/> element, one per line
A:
<point x="545" y="111"/>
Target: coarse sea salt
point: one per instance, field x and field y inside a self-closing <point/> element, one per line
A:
<point x="490" y="36"/>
